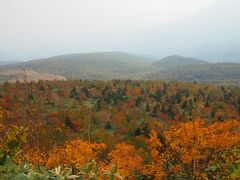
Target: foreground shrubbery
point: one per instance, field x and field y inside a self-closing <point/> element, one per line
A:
<point x="24" y="171"/>
<point x="193" y="150"/>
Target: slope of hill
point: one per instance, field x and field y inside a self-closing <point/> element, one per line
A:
<point x="116" y="65"/>
<point x="18" y="75"/>
<point x="212" y="72"/>
<point x="177" y="61"/>
<point x="107" y="65"/>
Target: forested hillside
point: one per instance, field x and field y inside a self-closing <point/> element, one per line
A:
<point x="122" y="129"/>
<point x="118" y="65"/>
<point x="221" y="73"/>
<point x="102" y="66"/>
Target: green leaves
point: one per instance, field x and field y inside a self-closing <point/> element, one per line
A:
<point x="11" y="171"/>
<point x="236" y="170"/>
<point x="11" y="143"/>
<point x="23" y="171"/>
<point x="212" y="168"/>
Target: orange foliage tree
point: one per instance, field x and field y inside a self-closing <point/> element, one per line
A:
<point x="75" y="153"/>
<point x="189" y="149"/>
<point x="127" y="160"/>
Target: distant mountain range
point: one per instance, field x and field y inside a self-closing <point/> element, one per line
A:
<point x="212" y="33"/>
<point x="177" y="61"/>
<point x="104" y="65"/>
<point x="119" y="65"/>
<point x="226" y="73"/>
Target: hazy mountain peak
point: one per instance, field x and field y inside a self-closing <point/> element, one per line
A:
<point x="176" y="60"/>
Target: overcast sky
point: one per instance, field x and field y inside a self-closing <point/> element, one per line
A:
<point x="39" y="28"/>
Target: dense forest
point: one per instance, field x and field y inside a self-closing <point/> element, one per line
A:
<point x="119" y="129"/>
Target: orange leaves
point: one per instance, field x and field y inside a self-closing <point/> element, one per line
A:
<point x="53" y="114"/>
<point x="74" y="153"/>
<point x="191" y="147"/>
<point x="133" y="92"/>
<point x="184" y="150"/>
<point x="194" y="136"/>
<point x="76" y="124"/>
<point x="56" y="156"/>
<point x="34" y="156"/>
<point x="155" y="167"/>
<point x="187" y="139"/>
<point x="224" y="135"/>
<point x="79" y="153"/>
<point x="126" y="159"/>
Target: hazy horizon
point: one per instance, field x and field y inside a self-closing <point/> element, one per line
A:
<point x="206" y="29"/>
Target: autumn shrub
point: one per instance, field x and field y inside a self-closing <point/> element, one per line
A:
<point x="187" y="150"/>
<point x="75" y="153"/>
<point x="125" y="157"/>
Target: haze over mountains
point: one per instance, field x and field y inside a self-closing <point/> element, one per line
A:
<point x="108" y="65"/>
<point x="212" y="33"/>
<point x="119" y="65"/>
<point x="9" y="62"/>
<point x="177" y="61"/>
<point x="206" y="41"/>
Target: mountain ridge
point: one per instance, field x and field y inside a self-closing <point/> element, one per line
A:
<point x="176" y="60"/>
<point x="119" y="65"/>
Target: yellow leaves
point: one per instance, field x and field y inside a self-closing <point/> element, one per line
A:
<point x="126" y="159"/>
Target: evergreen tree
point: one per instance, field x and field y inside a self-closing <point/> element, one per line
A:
<point x="108" y="125"/>
<point x="137" y="132"/>
<point x="158" y="95"/>
<point x="138" y="101"/>
<point x="147" y="107"/>
<point x="68" y="122"/>
<point x="73" y="92"/>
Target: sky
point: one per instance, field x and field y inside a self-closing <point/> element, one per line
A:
<point x="40" y="28"/>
